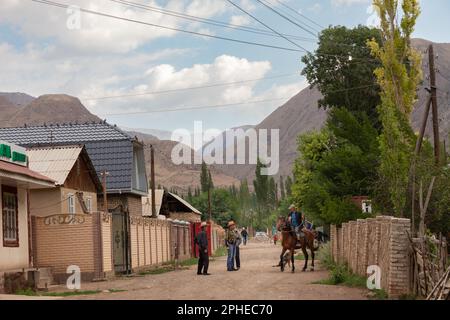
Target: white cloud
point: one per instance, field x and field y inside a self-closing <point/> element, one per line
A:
<point x="103" y="34"/>
<point x="349" y="2"/>
<point x="240" y="20"/>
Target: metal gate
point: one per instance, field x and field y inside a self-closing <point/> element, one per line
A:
<point x="121" y="256"/>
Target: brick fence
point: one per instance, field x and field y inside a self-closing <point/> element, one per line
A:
<point x="381" y="241"/>
<point x="155" y="241"/>
<point x="83" y="240"/>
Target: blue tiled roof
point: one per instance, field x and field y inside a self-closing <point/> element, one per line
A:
<point x="108" y="147"/>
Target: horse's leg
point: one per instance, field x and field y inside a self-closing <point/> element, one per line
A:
<point x="312" y="257"/>
<point x="281" y="259"/>
<point x="305" y="253"/>
<point x="292" y="259"/>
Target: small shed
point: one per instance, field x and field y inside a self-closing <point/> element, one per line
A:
<point x="171" y="206"/>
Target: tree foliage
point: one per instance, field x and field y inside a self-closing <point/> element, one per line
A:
<point x="398" y="77"/>
<point x="342" y="69"/>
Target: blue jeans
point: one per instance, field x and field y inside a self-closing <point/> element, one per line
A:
<point x="231" y="255"/>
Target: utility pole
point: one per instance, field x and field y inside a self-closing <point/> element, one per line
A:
<point x="433" y="88"/>
<point x="104" y="173"/>
<point x="209" y="203"/>
<point x="152" y="180"/>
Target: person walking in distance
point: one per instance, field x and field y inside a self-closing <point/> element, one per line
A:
<point x="203" y="260"/>
<point x="230" y="242"/>
<point x="244" y="235"/>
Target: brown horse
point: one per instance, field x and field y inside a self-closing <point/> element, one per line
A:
<point x="290" y="242"/>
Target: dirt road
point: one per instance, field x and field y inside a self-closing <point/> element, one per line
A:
<point x="257" y="279"/>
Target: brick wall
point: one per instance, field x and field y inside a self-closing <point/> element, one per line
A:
<point x="185" y="216"/>
<point x="132" y="203"/>
<point x="382" y="241"/>
<point x="85" y="240"/>
<point x="153" y="241"/>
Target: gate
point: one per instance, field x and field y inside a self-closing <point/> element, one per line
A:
<point x="120" y="241"/>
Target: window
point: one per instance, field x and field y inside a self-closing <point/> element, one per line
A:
<point x="88" y="202"/>
<point x="71" y="202"/>
<point x="10" y="217"/>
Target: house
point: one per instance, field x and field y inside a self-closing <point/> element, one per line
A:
<point x="67" y="227"/>
<point x="115" y="156"/>
<point x="170" y="206"/>
<point x="16" y="182"/>
<point x="77" y="183"/>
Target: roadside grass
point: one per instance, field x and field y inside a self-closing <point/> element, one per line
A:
<point x="158" y="270"/>
<point x="341" y="275"/>
<point x="30" y="292"/>
<point x="220" y="252"/>
<point x="378" y="294"/>
<point x="170" y="266"/>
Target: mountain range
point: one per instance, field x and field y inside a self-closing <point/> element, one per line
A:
<point x="300" y="114"/>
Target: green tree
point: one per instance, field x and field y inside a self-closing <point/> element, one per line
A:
<point x="398" y="77"/>
<point x="342" y="68"/>
<point x="282" y="192"/>
<point x="223" y="206"/>
<point x="288" y="185"/>
<point x="204" y="178"/>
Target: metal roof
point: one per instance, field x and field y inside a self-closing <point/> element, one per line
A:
<point x="159" y="196"/>
<point x="23" y="174"/>
<point x="63" y="133"/>
<point x="54" y="162"/>
<point x="108" y="147"/>
<point x="187" y="204"/>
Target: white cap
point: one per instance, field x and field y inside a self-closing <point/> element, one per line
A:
<point x="203" y="224"/>
<point x="291" y="207"/>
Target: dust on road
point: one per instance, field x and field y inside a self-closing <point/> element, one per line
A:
<point x="257" y="279"/>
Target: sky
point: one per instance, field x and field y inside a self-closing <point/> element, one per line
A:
<point x="113" y="65"/>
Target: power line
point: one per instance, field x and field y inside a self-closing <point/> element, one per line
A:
<point x="182" y="108"/>
<point x="188" y="88"/>
<point x="193" y="108"/>
<point x="267" y="26"/>
<point x="294" y="17"/>
<point x="63" y="6"/>
<point x="298" y="13"/>
<point x="285" y="17"/>
<point x="207" y="21"/>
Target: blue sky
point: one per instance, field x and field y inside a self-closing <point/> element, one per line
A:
<point x="107" y="57"/>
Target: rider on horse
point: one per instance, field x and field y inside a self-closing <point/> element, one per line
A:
<point x="295" y="220"/>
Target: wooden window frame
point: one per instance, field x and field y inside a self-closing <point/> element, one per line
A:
<point x="70" y="197"/>
<point x="87" y="200"/>
<point x="9" y="243"/>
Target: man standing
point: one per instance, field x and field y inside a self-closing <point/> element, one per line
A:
<point x="230" y="242"/>
<point x="244" y="234"/>
<point x="203" y="259"/>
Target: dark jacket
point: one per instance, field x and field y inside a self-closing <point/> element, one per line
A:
<point x="244" y="233"/>
<point x="202" y="240"/>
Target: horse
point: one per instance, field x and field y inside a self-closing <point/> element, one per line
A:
<point x="291" y="243"/>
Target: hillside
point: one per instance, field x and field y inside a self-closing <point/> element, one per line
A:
<point x="170" y="175"/>
<point x="55" y="108"/>
<point x="301" y="114"/>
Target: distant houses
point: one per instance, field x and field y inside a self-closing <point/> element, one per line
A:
<point x="68" y="221"/>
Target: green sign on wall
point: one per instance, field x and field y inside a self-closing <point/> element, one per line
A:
<point x="12" y="153"/>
